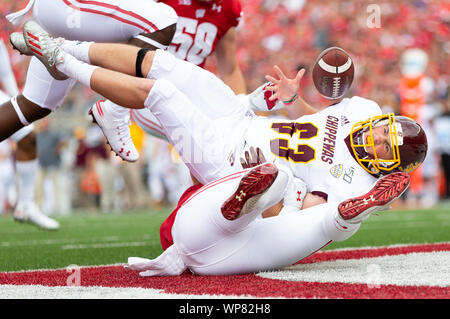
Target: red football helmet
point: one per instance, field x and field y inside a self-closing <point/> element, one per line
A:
<point x="408" y="142"/>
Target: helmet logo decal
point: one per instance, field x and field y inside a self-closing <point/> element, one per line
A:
<point x="398" y="128"/>
<point x="410" y="167"/>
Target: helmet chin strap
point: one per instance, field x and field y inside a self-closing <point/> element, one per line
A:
<point x="364" y="140"/>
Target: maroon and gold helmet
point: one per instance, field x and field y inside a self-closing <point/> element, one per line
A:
<point x="408" y="142"/>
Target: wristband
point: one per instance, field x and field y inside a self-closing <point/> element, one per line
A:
<point x="291" y="100"/>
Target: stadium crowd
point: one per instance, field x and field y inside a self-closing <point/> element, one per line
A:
<point x="288" y="33"/>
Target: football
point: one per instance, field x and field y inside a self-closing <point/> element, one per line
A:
<point x="333" y="73"/>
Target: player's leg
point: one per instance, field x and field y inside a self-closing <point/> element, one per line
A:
<point x="210" y="96"/>
<point x="126" y="90"/>
<point x="203" y="144"/>
<point x="201" y="232"/>
<point x="294" y="235"/>
<point x="148" y="122"/>
<point x="141" y="22"/>
<point x="190" y="79"/>
<point x="18" y="111"/>
<point x="27" y="164"/>
<point x="26" y="168"/>
<point x="108" y="21"/>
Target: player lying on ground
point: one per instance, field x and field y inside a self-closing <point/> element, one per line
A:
<point x="338" y="152"/>
<point x="218" y="230"/>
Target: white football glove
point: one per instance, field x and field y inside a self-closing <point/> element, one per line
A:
<point x="258" y="100"/>
<point x="294" y="195"/>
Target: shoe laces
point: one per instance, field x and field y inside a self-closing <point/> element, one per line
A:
<point x="50" y="46"/>
<point x="121" y="125"/>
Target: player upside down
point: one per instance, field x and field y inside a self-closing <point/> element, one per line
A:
<point x="351" y="137"/>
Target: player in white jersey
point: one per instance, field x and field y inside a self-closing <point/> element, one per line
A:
<point x="315" y="147"/>
<point x="228" y="206"/>
<point x="143" y="23"/>
<point x="351" y="133"/>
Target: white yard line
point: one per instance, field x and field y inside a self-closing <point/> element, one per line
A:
<point x="43" y="292"/>
<point x="106" y="245"/>
<point x="413" y="269"/>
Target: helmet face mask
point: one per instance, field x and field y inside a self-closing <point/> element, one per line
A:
<point x="407" y="140"/>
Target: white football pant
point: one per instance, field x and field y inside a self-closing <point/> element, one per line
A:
<point x="200" y="116"/>
<point x="208" y="244"/>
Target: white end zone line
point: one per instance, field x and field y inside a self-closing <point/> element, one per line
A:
<point x="67" y="292"/>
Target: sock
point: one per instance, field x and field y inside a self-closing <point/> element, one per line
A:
<point x="78" y="49"/>
<point x="77" y="70"/>
<point x="340" y="228"/>
<point x="26" y="173"/>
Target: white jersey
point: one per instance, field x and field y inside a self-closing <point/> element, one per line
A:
<point x="317" y="148"/>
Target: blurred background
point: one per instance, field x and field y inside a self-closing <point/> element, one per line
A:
<point x="401" y="53"/>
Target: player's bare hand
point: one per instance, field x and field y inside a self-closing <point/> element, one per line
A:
<point x="252" y="158"/>
<point x="284" y="88"/>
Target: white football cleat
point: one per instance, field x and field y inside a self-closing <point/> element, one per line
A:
<point x="18" y="43"/>
<point x="116" y="130"/>
<point x="30" y="213"/>
<point x="43" y="47"/>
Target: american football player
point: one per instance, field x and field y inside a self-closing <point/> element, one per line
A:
<point x="142" y="23"/>
<point x="218" y="230"/>
<point x="339" y="151"/>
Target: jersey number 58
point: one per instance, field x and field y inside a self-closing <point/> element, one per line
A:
<point x="193" y="41"/>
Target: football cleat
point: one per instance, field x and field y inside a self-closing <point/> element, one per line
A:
<point x="383" y="193"/>
<point x="30" y="213"/>
<point x="18" y="43"/>
<point x="253" y="186"/>
<point x="116" y="130"/>
<point x="43" y="47"/>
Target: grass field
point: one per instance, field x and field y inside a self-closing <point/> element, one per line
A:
<point x="100" y="239"/>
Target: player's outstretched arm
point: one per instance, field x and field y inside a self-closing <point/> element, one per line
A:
<point x="287" y="90"/>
